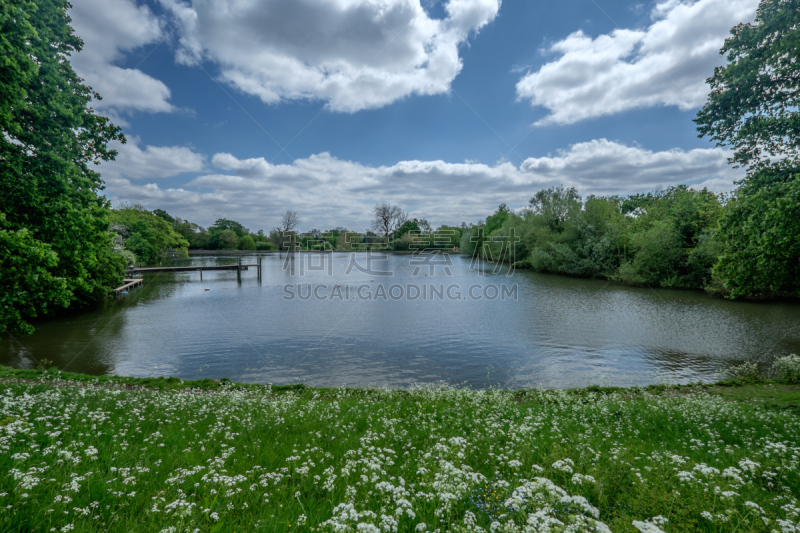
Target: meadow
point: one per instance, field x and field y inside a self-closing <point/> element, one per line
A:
<point x="80" y="453"/>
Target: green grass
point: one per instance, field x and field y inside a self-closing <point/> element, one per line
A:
<point x="83" y="453"/>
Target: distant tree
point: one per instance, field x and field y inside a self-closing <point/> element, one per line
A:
<point x="284" y="234"/>
<point x="147" y="235"/>
<point x="495" y="221"/>
<point x="754" y="99"/>
<point x="247" y="243"/>
<point x="388" y="218"/>
<point x="48" y="190"/>
<point x="408" y="226"/>
<point x="236" y="227"/>
<point x="556" y="205"/>
<point x="228" y="240"/>
<point x="289" y="221"/>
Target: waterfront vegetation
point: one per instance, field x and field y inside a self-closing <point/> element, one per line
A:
<point x="83" y="453"/>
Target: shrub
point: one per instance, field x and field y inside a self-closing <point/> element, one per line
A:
<point x="787" y="369"/>
<point x="266" y="246"/>
<point x="745" y="372"/>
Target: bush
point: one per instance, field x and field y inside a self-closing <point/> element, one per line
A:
<point x="744" y="372"/>
<point x="246" y="243"/>
<point x="266" y="246"/>
<point x="787" y="369"/>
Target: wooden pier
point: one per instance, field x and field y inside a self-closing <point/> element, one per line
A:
<point x="238" y="267"/>
<point x="127" y="284"/>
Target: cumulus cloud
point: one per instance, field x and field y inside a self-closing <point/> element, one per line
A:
<point x="110" y="29"/>
<point x="329" y="192"/>
<point x="665" y="64"/>
<point x="353" y="54"/>
<point x="150" y="162"/>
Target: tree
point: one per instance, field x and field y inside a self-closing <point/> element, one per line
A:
<point x="754" y="99"/>
<point x="50" y="137"/>
<point x="556" y="205"/>
<point x="236" y="227"/>
<point x="146" y="234"/>
<point x="284" y="234"/>
<point x="760" y="230"/>
<point x="753" y="106"/>
<point x="247" y="243"/>
<point x="289" y="221"/>
<point x="388" y="218"/>
<point x="27" y="286"/>
<point x="228" y="240"/>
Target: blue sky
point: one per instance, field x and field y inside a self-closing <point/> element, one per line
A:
<point x="243" y="109"/>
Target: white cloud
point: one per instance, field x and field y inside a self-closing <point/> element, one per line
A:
<point x="151" y="162"/>
<point x="665" y="64"/>
<point x="327" y="191"/>
<point x="109" y="29"/>
<point x="353" y="54"/>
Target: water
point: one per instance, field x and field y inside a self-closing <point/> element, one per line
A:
<point x="552" y="332"/>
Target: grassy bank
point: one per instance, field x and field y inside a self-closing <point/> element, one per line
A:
<point x="80" y="453"/>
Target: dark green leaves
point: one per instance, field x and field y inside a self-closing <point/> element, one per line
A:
<point x="753" y="105"/>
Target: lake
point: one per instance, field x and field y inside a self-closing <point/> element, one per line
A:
<point x="398" y="320"/>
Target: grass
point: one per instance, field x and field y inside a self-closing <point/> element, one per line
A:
<point x="84" y="453"/>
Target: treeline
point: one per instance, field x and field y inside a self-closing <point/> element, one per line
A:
<point x="745" y="245"/>
<point x="147" y="237"/>
<point x="664" y="238"/>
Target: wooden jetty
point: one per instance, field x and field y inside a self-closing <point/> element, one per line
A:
<point x="127" y="284"/>
<point x="238" y="267"/>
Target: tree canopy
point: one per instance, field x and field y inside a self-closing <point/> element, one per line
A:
<point x="48" y="190"/>
<point x="754" y="99"/>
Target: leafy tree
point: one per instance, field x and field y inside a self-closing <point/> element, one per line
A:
<point x="27" y="285"/>
<point x="754" y="99"/>
<point x="761" y="236"/>
<point x="753" y="106"/>
<point x="556" y="205"/>
<point x="160" y="213"/>
<point x="247" y="243"/>
<point x="495" y="221"/>
<point x="228" y="240"/>
<point x="50" y="138"/>
<point x="147" y="235"/>
<point x="224" y="223"/>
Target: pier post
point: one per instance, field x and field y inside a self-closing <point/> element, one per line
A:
<point x="201" y="274"/>
<point x="239" y="269"/>
<point x="258" y="268"/>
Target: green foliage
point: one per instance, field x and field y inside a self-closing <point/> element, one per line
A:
<point x="27" y="285"/>
<point x="247" y="243"/>
<point x="662" y="239"/>
<point x="147" y="235"/>
<point x="556" y="206"/>
<point x="753" y="105"/>
<point x="267" y="245"/>
<point x="223" y="223"/>
<point x="50" y="138"/>
<point x="761" y="236"/>
<point x="408" y="225"/>
<point x="227" y="240"/>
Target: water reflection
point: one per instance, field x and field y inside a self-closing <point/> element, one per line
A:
<point x="556" y="332"/>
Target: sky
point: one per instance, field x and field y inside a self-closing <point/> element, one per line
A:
<point x="243" y="109"/>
